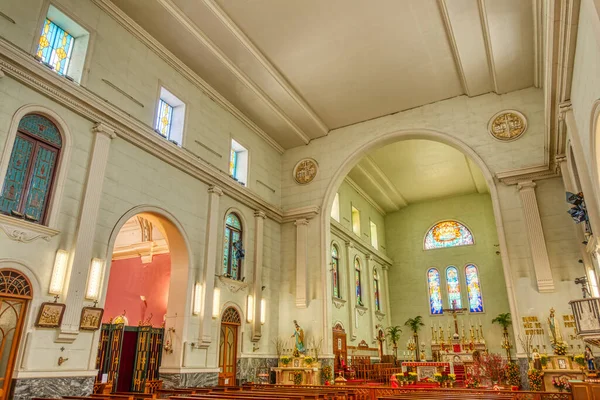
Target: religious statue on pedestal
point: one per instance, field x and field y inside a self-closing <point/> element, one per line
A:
<point x="556" y="339"/>
<point x="589" y="358"/>
<point x="299" y="335"/>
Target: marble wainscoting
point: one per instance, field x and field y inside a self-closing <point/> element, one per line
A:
<point x="25" y="389"/>
<point x="324" y="362"/>
<point x="523" y="369"/>
<point x="196" y="379"/>
<point x="247" y="368"/>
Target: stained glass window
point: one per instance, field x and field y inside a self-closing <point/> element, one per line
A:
<point x="358" y="282"/>
<point x="473" y="289"/>
<point x="232" y="264"/>
<point x="55" y="47"/>
<point x="335" y="271"/>
<point x="447" y="234"/>
<point x="233" y="161"/>
<point x="31" y="169"/>
<point x="453" y="284"/>
<point x="435" y="291"/>
<point x="164" y="118"/>
<point x="376" y="290"/>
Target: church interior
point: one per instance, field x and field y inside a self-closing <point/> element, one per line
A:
<point x="223" y="199"/>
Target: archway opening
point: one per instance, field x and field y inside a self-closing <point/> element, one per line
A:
<point x="146" y="289"/>
<point x="419" y="211"/>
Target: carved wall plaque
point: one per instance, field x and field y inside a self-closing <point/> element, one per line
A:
<point x="305" y="171"/>
<point x="507" y="125"/>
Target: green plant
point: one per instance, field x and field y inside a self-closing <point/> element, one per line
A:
<point x="327" y="373"/>
<point x="579" y="359"/>
<point x="544" y="360"/>
<point x="513" y="375"/>
<point x="535" y="380"/>
<point x="415" y="324"/>
<point x="560" y="349"/>
<point x="309" y="360"/>
<point x="393" y="333"/>
<point x="452" y="377"/>
<point x="503" y="320"/>
<point x="297" y="377"/>
<point x="285" y="360"/>
<point x="412" y="376"/>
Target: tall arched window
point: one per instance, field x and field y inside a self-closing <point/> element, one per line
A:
<point x="357" y="281"/>
<point x="335" y="271"/>
<point x="447" y="234"/>
<point x="232" y="245"/>
<point x="473" y="289"/>
<point x="435" y="291"/>
<point x="376" y="290"/>
<point x="31" y="169"/>
<point x="453" y="285"/>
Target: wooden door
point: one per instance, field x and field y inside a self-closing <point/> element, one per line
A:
<point x="15" y="294"/>
<point x="339" y="346"/>
<point x="228" y="344"/>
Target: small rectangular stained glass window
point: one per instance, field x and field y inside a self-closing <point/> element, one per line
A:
<point x="164" y="118"/>
<point x="233" y="161"/>
<point x="55" y="47"/>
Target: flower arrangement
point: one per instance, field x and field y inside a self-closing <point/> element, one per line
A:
<point x="452" y="377"/>
<point x="535" y="380"/>
<point x="309" y="360"/>
<point x="297" y="377"/>
<point x="544" y="360"/>
<point x="439" y="378"/>
<point x="513" y="375"/>
<point x="400" y="377"/>
<point x="561" y="384"/>
<point x="327" y="373"/>
<point x="579" y="359"/>
<point x="411" y="377"/>
<point x="560" y="349"/>
<point x="471" y="382"/>
<point x="285" y="360"/>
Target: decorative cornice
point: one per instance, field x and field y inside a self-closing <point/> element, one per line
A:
<point x="295" y="214"/>
<point x="162" y="52"/>
<point x="338" y="303"/>
<point x="349" y="238"/>
<point x="361" y="309"/>
<point x="22" y="67"/>
<point x="104" y="129"/>
<point x="515" y="176"/>
<point x="365" y="196"/>
<point x="233" y="285"/>
<point x="23" y="231"/>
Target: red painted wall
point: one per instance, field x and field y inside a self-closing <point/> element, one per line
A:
<point x="129" y="279"/>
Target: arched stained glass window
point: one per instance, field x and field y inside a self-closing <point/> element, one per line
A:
<point x="473" y="289"/>
<point x="335" y="271"/>
<point x="357" y="281"/>
<point x="435" y="291"/>
<point x="448" y="234"/>
<point x="453" y="284"/>
<point x="376" y="290"/>
<point x="31" y="169"/>
<point x="232" y="244"/>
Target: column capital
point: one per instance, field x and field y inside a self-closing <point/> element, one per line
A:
<point x="349" y="244"/>
<point x="526" y="185"/>
<point x="104" y="129"/>
<point x="301" y="221"/>
<point x="369" y="256"/>
<point x="216" y="190"/>
<point x="260" y="214"/>
<point x="385" y="267"/>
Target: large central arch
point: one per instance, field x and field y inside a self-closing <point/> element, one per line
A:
<point x="401" y="135"/>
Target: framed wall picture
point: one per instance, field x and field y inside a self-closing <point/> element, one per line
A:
<point x="562" y="363"/>
<point x="50" y="315"/>
<point x="91" y="318"/>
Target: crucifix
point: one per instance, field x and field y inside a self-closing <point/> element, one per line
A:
<point x="454" y="310"/>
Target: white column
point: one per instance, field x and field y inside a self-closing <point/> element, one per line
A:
<point x="259" y="222"/>
<point x="386" y="284"/>
<point x="81" y="255"/>
<point x="210" y="259"/>
<point x="371" y="293"/>
<point x="301" y="263"/>
<point x="535" y="235"/>
<point x="351" y="290"/>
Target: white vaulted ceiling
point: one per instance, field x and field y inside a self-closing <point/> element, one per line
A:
<point x="413" y="171"/>
<point x="300" y="68"/>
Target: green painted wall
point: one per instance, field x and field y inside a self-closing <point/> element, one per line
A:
<point x="405" y="231"/>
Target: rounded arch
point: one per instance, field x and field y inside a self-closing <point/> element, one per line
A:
<point x="595" y="145"/>
<point x="433" y="284"/>
<point x="181" y="272"/>
<point x="339" y="325"/>
<point x="239" y="310"/>
<point x="474" y="288"/>
<point x="339" y="270"/>
<point x="240" y="215"/>
<point x="406" y="134"/>
<point x="231" y="316"/>
<point x="466" y="237"/>
<point x="63" y="158"/>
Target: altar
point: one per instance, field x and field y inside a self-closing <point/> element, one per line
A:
<point x="426" y="369"/>
<point x="297" y="371"/>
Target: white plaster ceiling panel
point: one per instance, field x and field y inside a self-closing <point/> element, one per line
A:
<point x="416" y="171"/>
<point x="511" y="31"/>
<point x="353" y="60"/>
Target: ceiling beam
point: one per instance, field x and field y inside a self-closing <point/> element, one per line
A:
<point x="365" y="195"/>
<point x="485" y="29"/>
<point x="183" y="19"/>
<point x="260" y="57"/>
<point x="452" y="40"/>
<point x="387" y="186"/>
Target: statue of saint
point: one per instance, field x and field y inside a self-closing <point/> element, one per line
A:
<point x="554" y="325"/>
<point x="589" y="358"/>
<point x="299" y="335"/>
<point x="537" y="359"/>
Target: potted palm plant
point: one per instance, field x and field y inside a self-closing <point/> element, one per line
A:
<point x="504" y="321"/>
<point x="393" y="333"/>
<point x="415" y="324"/>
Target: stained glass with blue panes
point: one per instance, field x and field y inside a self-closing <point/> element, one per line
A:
<point x="435" y="292"/>
<point x="473" y="289"/>
<point x="453" y="285"/>
<point x="448" y="234"/>
<point x="55" y="47"/>
<point x="233" y="233"/>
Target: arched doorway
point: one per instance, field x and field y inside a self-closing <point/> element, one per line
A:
<point x="148" y="254"/>
<point x="228" y="344"/>
<point x="15" y="295"/>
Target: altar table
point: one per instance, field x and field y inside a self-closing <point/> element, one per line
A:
<point x="285" y="375"/>
<point x="427" y="369"/>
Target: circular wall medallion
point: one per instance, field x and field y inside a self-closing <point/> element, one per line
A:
<point x="305" y="171"/>
<point x="507" y="125"/>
